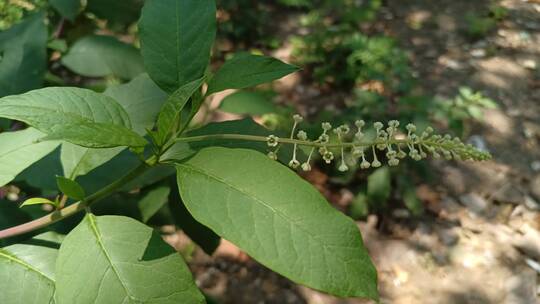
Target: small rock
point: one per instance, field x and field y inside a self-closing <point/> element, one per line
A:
<point x="478" y="53"/>
<point x="448" y="237"/>
<point x="401" y="213"/>
<point x="535" y="165"/>
<point x="474" y="202"/>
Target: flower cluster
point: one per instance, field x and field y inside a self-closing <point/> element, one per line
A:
<point x="354" y="147"/>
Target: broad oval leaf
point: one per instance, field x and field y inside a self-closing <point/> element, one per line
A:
<point x="176" y="39"/>
<point x="47" y="109"/>
<point x="142" y="99"/>
<point x="19" y="150"/>
<point x="124" y="262"/>
<point x="27" y="270"/>
<point x="70" y="188"/>
<point x="248" y="70"/>
<point x="24" y="56"/>
<point x="98" y="56"/>
<point x="277" y="218"/>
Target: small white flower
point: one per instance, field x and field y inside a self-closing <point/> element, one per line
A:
<point x="297" y="118"/>
<point x="343" y="167"/>
<point x="272" y="140"/>
<point x="326" y="126"/>
<point x="306" y="167"/>
<point x="294" y="163"/>
<point x="302" y="135"/>
<point x="272" y="155"/>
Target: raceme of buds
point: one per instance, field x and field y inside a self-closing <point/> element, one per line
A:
<point x="396" y="145"/>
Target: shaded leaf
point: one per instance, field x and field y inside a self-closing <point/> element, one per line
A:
<point x="142" y="99"/>
<point x="77" y="160"/>
<point x="378" y="187"/>
<point x="207" y="239"/>
<point x="176" y="39"/>
<point x="70" y="188"/>
<point x="69" y="9"/>
<point x="19" y="151"/>
<point x="98" y="56"/>
<point x="248" y="70"/>
<point x="24" y="58"/>
<point x="154" y="200"/>
<point x="125" y="11"/>
<point x="246" y="102"/>
<point x="129" y="263"/>
<point x="278" y="219"/>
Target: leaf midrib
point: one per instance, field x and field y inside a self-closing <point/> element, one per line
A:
<point x="95" y="231"/>
<point x="11" y="257"/>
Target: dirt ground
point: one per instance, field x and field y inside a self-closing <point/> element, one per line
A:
<point x="480" y="241"/>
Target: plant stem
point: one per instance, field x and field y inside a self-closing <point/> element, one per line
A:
<point x="282" y="140"/>
<point x="70" y="210"/>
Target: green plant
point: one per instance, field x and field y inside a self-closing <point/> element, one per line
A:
<point x="136" y="136"/>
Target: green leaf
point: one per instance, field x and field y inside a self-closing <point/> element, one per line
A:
<point x="125" y="11"/>
<point x="19" y="151"/>
<point x="177" y="152"/>
<point x="97" y="135"/>
<point x="38" y="201"/>
<point x="171" y="110"/>
<point x="246" y="102"/>
<point x="378" y="188"/>
<point x="176" y="39"/>
<point x="278" y="219"/>
<point x="40" y="174"/>
<point x="67" y="8"/>
<point x="27" y="270"/>
<point x="70" y="188"/>
<point x="359" y="208"/>
<point x="23" y="59"/>
<point x="77" y="160"/>
<point x="98" y="56"/>
<point x="207" y="239"/>
<point x="248" y="70"/>
<point x="52" y="108"/>
<point x="153" y="201"/>
<point x="112" y="259"/>
<point x="142" y="99"/>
